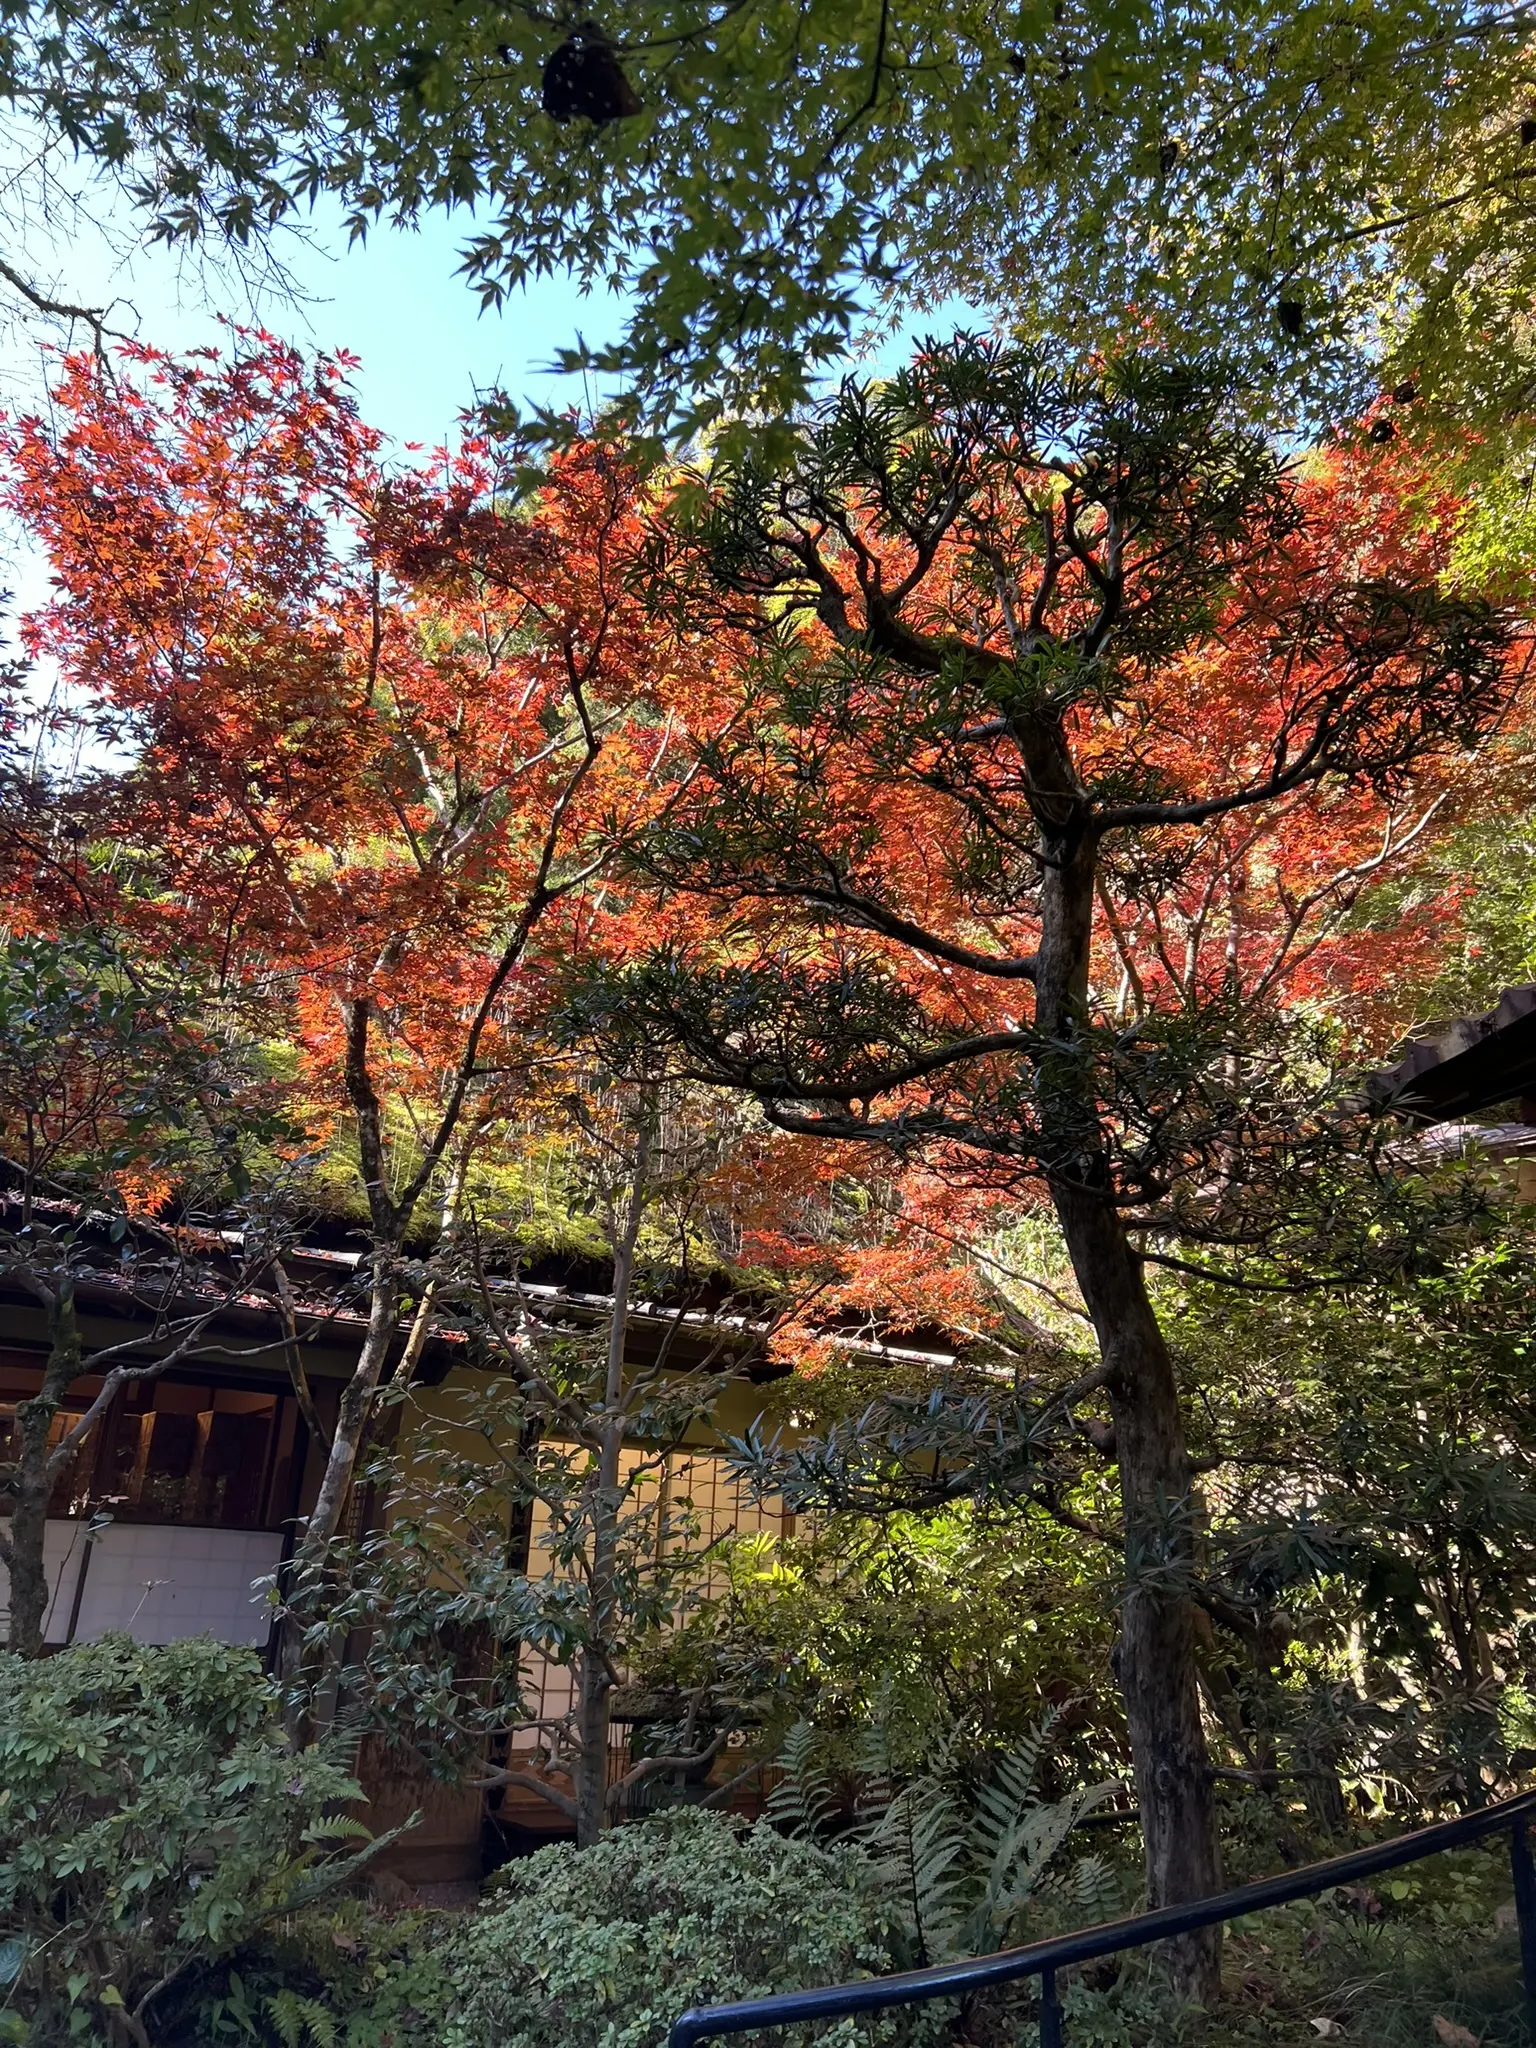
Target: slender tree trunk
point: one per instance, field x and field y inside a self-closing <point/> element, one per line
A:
<point x="34" y="1478"/>
<point x="391" y="1219"/>
<point x="595" y="1680"/>
<point x="1157" y="1670"/>
<point x="303" y="1676"/>
<point x="595" y="1673"/>
<point x="421" y="1322"/>
<point x="354" y="1413"/>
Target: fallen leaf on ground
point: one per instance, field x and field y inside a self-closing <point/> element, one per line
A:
<point x="1452" y="2035"/>
<point x="1359" y="1898"/>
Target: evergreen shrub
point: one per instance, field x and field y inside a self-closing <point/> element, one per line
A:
<point x="152" y="1817"/>
<point x="604" y="1949"/>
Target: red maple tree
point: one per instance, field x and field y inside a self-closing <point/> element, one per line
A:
<point x="1079" y="727"/>
<point x="357" y="729"/>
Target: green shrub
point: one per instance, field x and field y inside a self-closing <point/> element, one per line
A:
<point x="152" y="1815"/>
<point x="604" y="1949"/>
<point x="342" y="1975"/>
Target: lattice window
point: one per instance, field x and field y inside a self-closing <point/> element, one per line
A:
<point x="723" y="1508"/>
<point x="723" y="1505"/>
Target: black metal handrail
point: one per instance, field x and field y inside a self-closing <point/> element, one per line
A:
<point x="1043" y="1959"/>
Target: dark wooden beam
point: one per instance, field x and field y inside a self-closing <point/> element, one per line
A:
<point x="1470" y="1064"/>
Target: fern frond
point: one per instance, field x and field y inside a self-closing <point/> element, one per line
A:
<point x="300" y="2022"/>
<point x="1009" y="1792"/>
<point x="875" y="1779"/>
<point x="917" y="1846"/>
<point x="1023" y="1861"/>
<point x="313" y="1883"/>
<point x="952" y="1866"/>
<point x="803" y="1803"/>
<point x="1095" y="1889"/>
<point x="336" y="1827"/>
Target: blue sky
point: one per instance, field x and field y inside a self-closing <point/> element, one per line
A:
<point x="426" y="348"/>
<point x="394" y="300"/>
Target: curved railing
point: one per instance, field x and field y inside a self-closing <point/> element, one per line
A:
<point x="1043" y="1959"/>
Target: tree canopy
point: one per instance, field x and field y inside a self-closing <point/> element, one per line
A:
<point x="1029" y="783"/>
<point x="1340" y="196"/>
<point x="1068" y="699"/>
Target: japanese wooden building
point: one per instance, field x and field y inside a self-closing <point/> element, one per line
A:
<point x="188" y="1496"/>
<point x="184" y="1503"/>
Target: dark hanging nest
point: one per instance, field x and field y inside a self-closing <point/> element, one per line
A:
<point x="414" y="66"/>
<point x="1528" y="131"/>
<point x="583" y="80"/>
<point x="1405" y="393"/>
<point x="1168" y="155"/>
<point x="1381" y="430"/>
<point x="1291" y="314"/>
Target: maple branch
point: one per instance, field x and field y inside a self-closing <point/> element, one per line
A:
<point x="527" y="1375"/>
<point x="783" y="1088"/>
<point x="1048" y="1499"/>
<point x="1388" y="224"/>
<point x="542" y="893"/>
<point x="718" y="1795"/>
<point x="120" y="1376"/>
<point x="1086" y="1383"/>
<point x="388" y="1216"/>
<point x="1240" y="1282"/>
<point x="648" y="1766"/>
<point x="1286" y="961"/>
<point x="1310" y="765"/>
<point x="875" y="916"/>
<point x="95" y="317"/>
<point x="1051" y="787"/>
<point x="867" y="913"/>
<point x="1009" y="1272"/>
<point x="375" y="632"/>
<point x="1122" y="947"/>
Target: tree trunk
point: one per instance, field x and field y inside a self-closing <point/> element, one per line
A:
<point x="303" y="1677"/>
<point x="421" y="1322"/>
<point x="1157" y="1670"/>
<point x="594" y="1718"/>
<point x="594" y="1674"/>
<point x="354" y="1413"/>
<point x="34" y="1478"/>
<point x="595" y="1715"/>
<point x="1158" y="1677"/>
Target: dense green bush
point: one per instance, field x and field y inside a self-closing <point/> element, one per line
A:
<point x="152" y="1815"/>
<point x="342" y="1975"/>
<point x="960" y="1625"/>
<point x="604" y="1949"/>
